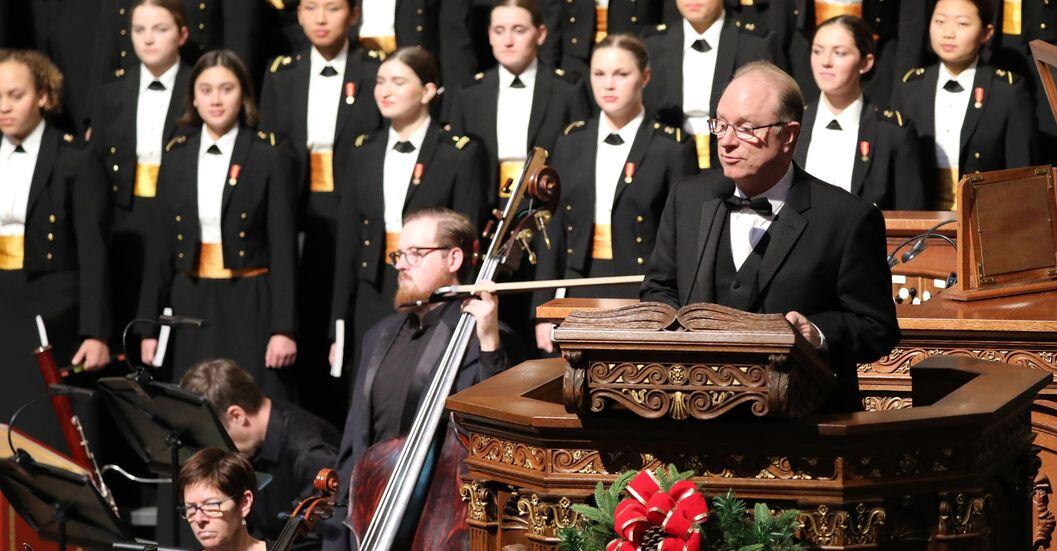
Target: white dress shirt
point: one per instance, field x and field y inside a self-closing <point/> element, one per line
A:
<point x="151" y="110"/>
<point x="609" y="164"/>
<point x="213" y="172"/>
<point x="699" y="68"/>
<point x="512" y="112"/>
<point x="831" y="154"/>
<point x="397" y="172"/>
<point x="950" y="114"/>
<point x="16" y="175"/>
<point x="747" y="226"/>
<point x="324" y="96"/>
<point x="379" y="18"/>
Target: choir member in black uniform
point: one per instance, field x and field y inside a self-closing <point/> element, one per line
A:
<point x="320" y="99"/>
<point x="847" y="140"/>
<point x="224" y="242"/>
<point x="694" y="59"/>
<point x="135" y="117"/>
<point x="218" y="492"/>
<point x="410" y="164"/>
<point x="279" y="438"/>
<point x="616" y="170"/>
<point x="971" y="116"/>
<point x="580" y="24"/>
<point x="521" y="103"/>
<point x="52" y="240"/>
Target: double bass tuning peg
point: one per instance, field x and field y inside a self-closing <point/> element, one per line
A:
<point x="524" y="239"/>
<point x="542" y="217"/>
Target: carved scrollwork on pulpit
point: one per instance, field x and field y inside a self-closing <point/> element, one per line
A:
<point x="496" y="450"/>
<point x="1044" y="520"/>
<point x="963" y="516"/>
<point x="480" y="502"/>
<point x="886" y="403"/>
<point x="546" y="517"/>
<point x="900" y="360"/>
<point x="859" y="527"/>
<point x="577" y="461"/>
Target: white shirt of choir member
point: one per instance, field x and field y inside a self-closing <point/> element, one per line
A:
<point x="832" y="153"/>
<point x="747" y="226"/>
<point x="397" y="172"/>
<point x="379" y="18"/>
<point x="950" y="114"/>
<point x="609" y="164"/>
<point x="602" y="3"/>
<point x="512" y="112"/>
<point x="151" y="109"/>
<point x="324" y="96"/>
<point x="699" y="69"/>
<point x="212" y="179"/>
<point x="16" y="175"/>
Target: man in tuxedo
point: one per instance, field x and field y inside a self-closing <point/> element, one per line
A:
<point x="767" y="237"/>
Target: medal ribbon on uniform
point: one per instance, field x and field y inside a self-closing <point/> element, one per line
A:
<point x="416" y="178"/>
<point x="233" y="174"/>
<point x="864" y="150"/>
<point x="629" y="172"/>
<point x="978" y="97"/>
<point x="350" y="92"/>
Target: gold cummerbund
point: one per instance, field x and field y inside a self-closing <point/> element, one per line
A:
<point x="1011" y="17"/>
<point x="509" y="170"/>
<point x="211" y="265"/>
<point x="322" y="172"/>
<point x="601" y="23"/>
<point x="703" y="144"/>
<point x="602" y="243"/>
<point x="392" y="243"/>
<point x="146" y="180"/>
<point x="386" y="44"/>
<point x="12" y="248"/>
<point x="828" y="9"/>
<point x="946" y="189"/>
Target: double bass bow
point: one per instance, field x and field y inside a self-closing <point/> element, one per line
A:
<point x="378" y="521"/>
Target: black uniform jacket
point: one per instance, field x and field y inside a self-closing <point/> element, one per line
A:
<point x="114" y="130"/>
<point x="738" y="45"/>
<point x="890" y="174"/>
<point x="826" y="259"/>
<point x="452" y="176"/>
<point x="572" y="33"/>
<point x="661" y="156"/>
<point x="284" y="106"/>
<point x="997" y="134"/>
<point x="557" y="100"/>
<point x="442" y="27"/>
<point x="67" y="221"/>
<point x="257" y="224"/>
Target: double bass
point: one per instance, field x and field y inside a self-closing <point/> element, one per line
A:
<point x="423" y="466"/>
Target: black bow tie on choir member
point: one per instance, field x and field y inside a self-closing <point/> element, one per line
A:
<point x="833" y="125"/>
<point x="614" y="139"/>
<point x="328" y="71"/>
<point x="19" y="149"/>
<point x="759" y="204"/>
<point x="953" y="86"/>
<point x="156" y="86"/>
<point x="213" y="150"/>
<point x="517" y="83"/>
<point x="404" y="147"/>
<point x="700" y="45"/>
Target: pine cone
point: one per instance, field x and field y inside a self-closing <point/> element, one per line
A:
<point x="652" y="538"/>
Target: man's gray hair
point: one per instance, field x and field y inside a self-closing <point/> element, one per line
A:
<point x="790" y="99"/>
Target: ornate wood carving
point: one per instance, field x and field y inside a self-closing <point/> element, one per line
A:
<point x="828" y="527"/>
<point x="517" y="454"/>
<point x="546" y="517"/>
<point x="900" y="359"/>
<point x="480" y="502"/>
<point x="963" y="516"/>
<point x="885" y="403"/>
<point x="1044" y="519"/>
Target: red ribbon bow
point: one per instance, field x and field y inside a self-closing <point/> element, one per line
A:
<point x="678" y="511"/>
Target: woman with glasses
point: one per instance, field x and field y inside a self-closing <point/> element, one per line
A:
<point x="410" y="164"/>
<point x="616" y="170"/>
<point x="217" y="490"/>
<point x="846" y="140"/>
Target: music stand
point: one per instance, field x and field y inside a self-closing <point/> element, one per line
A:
<point x="164" y="423"/>
<point x="60" y="505"/>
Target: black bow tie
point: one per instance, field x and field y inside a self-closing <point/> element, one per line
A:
<point x="328" y="71"/>
<point x="517" y="83"/>
<point x="833" y="125"/>
<point x="614" y="139"/>
<point x="156" y="86"/>
<point x="404" y="147"/>
<point x="213" y="150"/>
<point x="19" y="149"/>
<point x="700" y="45"/>
<point x="759" y="204"/>
<point x="953" y="86"/>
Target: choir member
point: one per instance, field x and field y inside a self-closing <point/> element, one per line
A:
<point x="410" y="164"/>
<point x="847" y="140"/>
<point x="580" y="24"/>
<point x="52" y="239"/>
<point x="971" y="116"/>
<point x="224" y="242"/>
<point x="321" y="99"/>
<point x="694" y="59"/>
<point x="616" y="170"/>
<point x="520" y="103"/>
<point x="217" y="491"/>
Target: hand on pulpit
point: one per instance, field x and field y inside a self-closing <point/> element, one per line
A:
<point x="806" y="329"/>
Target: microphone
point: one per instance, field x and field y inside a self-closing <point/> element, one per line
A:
<point x="67" y="390"/>
<point x="181" y="321"/>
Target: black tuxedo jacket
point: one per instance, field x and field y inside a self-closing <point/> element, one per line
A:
<point x="284" y="106"/>
<point x="997" y="135"/>
<point x="114" y="130"/>
<point x="826" y="259"/>
<point x="257" y="221"/>
<point x="661" y="155"/>
<point x="66" y="226"/>
<point x="452" y="176"/>
<point x="557" y="100"/>
<point x="890" y="175"/>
